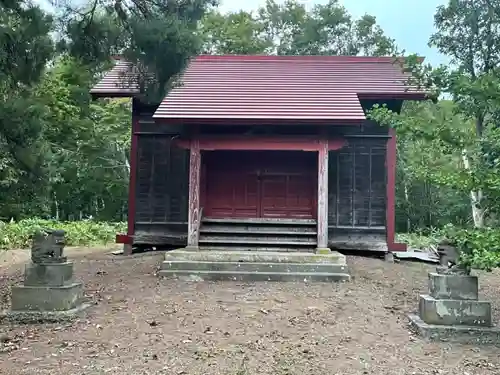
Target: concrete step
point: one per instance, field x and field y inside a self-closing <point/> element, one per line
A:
<point x="214" y="255"/>
<point x="258" y="239"/>
<point x="323" y="268"/>
<point x="256" y="276"/>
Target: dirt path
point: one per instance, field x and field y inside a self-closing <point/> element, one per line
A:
<point x="143" y="325"/>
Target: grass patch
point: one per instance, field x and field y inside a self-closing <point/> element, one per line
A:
<point x="420" y="241"/>
<point x="17" y="235"/>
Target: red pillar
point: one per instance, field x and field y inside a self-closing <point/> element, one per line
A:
<point x="128" y="239"/>
<point x="194" y="195"/>
<point x="391" y="194"/>
<point x="323" y="197"/>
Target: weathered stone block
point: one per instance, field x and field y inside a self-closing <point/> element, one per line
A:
<point x="48" y="274"/>
<point x="469" y="335"/>
<point x="460" y="287"/>
<point x="455" y="312"/>
<point x="39" y="298"/>
<point x="323" y="250"/>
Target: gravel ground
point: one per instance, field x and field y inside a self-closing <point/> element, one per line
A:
<point x="143" y="325"/>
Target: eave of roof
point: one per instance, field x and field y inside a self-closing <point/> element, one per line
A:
<point x="118" y="82"/>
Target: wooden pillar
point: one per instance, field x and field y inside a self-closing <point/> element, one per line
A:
<point x="323" y="197"/>
<point x="127" y="246"/>
<point x="391" y="194"/>
<point x="194" y="195"/>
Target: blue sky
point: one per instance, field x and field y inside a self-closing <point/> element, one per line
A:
<point x="410" y="22"/>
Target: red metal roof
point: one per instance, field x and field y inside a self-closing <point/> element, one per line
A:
<point x="119" y="81"/>
<point x="320" y="88"/>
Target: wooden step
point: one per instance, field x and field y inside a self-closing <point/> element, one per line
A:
<point x="256" y="241"/>
<point x="261" y="221"/>
<point x="259" y="230"/>
<point x="256" y="248"/>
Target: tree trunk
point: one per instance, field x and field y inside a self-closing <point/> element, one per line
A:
<point x="56" y="204"/>
<point x="407" y="205"/>
<point x="476" y="198"/>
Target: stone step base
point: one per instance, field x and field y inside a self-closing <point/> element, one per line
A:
<point x="255" y="276"/>
<point x="323" y="268"/>
<point x="455" y="312"/>
<point x="255" y="266"/>
<point x="254" y="256"/>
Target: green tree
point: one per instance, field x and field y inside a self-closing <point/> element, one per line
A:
<point x="328" y="29"/>
<point x="290" y="29"/>
<point x="234" y="33"/>
<point x="157" y="37"/>
<point x="25" y="49"/>
<point x="468" y="33"/>
<point x="86" y="145"/>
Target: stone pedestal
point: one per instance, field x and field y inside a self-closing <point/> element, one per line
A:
<point x="49" y="293"/>
<point x="452" y="311"/>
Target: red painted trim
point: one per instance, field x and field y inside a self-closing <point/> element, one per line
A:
<point x="391" y="191"/>
<point x="123" y="238"/>
<point x="133" y="176"/>
<point x="398" y="246"/>
<point x="263" y="143"/>
<point x="203" y="182"/>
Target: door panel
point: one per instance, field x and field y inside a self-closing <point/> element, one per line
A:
<point x="287" y="196"/>
<point x="234" y="195"/>
<point x="257" y="184"/>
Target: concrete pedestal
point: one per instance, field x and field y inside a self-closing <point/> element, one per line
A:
<point x="49" y="293"/>
<point x="50" y="298"/>
<point x="453" y="311"/>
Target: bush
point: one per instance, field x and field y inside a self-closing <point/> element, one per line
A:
<point x="421" y="240"/>
<point x="16" y="235"/>
<point x="479" y="248"/>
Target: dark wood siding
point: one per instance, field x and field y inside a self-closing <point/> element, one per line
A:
<point x="161" y="180"/>
<point x="161" y="184"/>
<point x="357" y="185"/>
